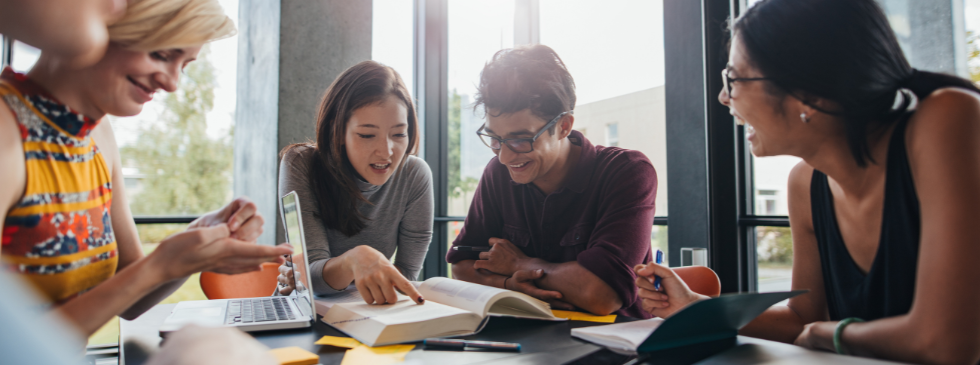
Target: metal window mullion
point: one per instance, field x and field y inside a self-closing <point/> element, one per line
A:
<point x="728" y="254"/>
<point x="7" y="54"/>
<point x="431" y="63"/>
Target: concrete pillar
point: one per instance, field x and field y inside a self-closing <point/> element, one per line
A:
<point x="289" y="52"/>
<point x="932" y="33"/>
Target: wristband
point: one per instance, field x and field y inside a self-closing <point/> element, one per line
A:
<point x="838" y="346"/>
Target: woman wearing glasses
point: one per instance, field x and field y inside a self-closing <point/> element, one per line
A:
<point x="882" y="207"/>
<point x="560" y="219"/>
<point x="364" y="193"/>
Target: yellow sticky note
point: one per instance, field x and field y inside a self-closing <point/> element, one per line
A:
<point x="295" y="356"/>
<point x="383" y="355"/>
<point x="395" y="350"/>
<point x="579" y="316"/>
<point x="344" y="342"/>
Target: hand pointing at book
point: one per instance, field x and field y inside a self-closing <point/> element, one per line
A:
<point x="377" y="278"/>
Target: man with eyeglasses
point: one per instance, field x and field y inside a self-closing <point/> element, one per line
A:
<point x="554" y="216"/>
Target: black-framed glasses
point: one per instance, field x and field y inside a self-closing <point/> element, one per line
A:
<point x="518" y="145"/>
<point x="728" y="80"/>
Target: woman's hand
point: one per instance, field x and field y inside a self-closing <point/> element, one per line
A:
<point x="673" y="295"/>
<point x="817" y="336"/>
<point x="523" y="281"/>
<point x="211" y="249"/>
<point x="376" y="278"/>
<point x="241" y="216"/>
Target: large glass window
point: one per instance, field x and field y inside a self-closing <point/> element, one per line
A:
<point x="392" y="37"/>
<point x="477" y="30"/>
<point x="615" y="52"/>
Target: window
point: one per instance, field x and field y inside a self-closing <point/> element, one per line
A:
<point x="477" y="30"/>
<point x="617" y="62"/>
<point x="391" y="37"/>
<point x="612" y="135"/>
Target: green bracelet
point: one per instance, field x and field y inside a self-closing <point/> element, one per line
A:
<point x="837" y="332"/>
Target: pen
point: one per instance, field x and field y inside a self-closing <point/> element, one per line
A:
<point x="451" y="344"/>
<point x="659" y="260"/>
<point x="471" y="248"/>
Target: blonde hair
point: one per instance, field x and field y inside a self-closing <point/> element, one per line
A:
<point x="151" y="25"/>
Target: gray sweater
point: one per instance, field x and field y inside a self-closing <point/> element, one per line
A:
<point x="400" y="217"/>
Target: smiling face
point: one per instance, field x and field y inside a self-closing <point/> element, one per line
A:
<point x="124" y="80"/>
<point x="528" y="167"/>
<point x="772" y="123"/>
<point x="376" y="139"/>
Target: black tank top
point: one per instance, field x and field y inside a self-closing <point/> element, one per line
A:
<point x="888" y="288"/>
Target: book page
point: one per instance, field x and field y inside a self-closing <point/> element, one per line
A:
<point x="460" y="294"/>
<point x="403" y="311"/>
<point x="350" y="295"/>
<point x="627" y="335"/>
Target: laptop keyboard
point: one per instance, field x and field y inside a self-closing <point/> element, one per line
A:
<point x="258" y="310"/>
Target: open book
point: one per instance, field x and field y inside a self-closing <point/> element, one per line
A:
<point x="708" y="320"/>
<point x="452" y="308"/>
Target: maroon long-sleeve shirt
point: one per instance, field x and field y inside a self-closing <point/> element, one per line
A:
<point x="602" y="217"/>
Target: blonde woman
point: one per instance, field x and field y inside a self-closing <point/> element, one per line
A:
<point x="67" y="227"/>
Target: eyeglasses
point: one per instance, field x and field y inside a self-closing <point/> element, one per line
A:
<point x="728" y="80"/>
<point x="518" y="145"/>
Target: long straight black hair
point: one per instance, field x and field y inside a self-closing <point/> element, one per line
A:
<point x="843" y="51"/>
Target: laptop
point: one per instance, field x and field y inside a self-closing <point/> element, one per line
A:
<point x="295" y="310"/>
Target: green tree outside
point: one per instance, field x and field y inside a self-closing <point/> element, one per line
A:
<point x="457" y="184"/>
<point x="973" y="55"/>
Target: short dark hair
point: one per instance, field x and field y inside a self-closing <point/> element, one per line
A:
<point x="526" y="77"/>
<point x="843" y="51"/>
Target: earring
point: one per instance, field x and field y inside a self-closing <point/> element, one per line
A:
<point x="804" y="118"/>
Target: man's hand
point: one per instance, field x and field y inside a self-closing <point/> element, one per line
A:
<point x="523" y="281"/>
<point x="241" y="216"/>
<point x="503" y="258"/>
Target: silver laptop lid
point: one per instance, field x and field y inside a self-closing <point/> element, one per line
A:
<point x="293" y="221"/>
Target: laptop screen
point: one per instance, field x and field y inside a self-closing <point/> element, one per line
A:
<point x="294" y="236"/>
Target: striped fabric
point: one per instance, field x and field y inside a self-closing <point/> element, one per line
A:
<point x="59" y="236"/>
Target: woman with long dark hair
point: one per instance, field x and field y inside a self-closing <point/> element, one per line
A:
<point x="882" y="207"/>
<point x="364" y="193"/>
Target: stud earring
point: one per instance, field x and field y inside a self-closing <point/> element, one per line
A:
<point x="804" y="118"/>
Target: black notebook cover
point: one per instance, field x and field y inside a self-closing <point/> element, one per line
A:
<point x="712" y="319"/>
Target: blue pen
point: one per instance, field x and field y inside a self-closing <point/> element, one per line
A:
<point x="659" y="260"/>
